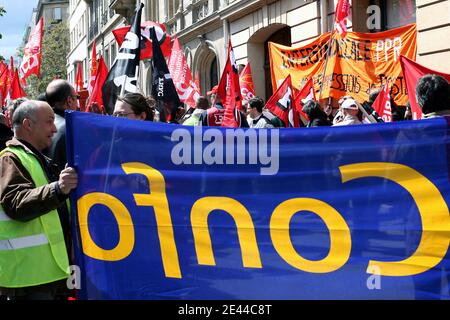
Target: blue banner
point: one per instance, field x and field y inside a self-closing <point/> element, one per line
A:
<point x="174" y="212"/>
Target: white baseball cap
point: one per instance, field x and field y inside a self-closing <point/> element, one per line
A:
<point x="350" y="104"/>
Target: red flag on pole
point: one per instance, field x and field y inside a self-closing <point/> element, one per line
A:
<point x="306" y="93"/>
<point x="6" y="80"/>
<point x="91" y="82"/>
<point x="412" y="71"/>
<point x="182" y="76"/>
<point x="197" y="81"/>
<point x="246" y="83"/>
<point x="281" y="104"/>
<point x="16" y="90"/>
<point x="342" y="13"/>
<point x="79" y="78"/>
<point x="146" y="43"/>
<point x="382" y="104"/>
<point x="100" y="78"/>
<point x="230" y="92"/>
<point x="31" y="62"/>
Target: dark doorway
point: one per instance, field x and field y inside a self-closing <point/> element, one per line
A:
<point x="282" y="36"/>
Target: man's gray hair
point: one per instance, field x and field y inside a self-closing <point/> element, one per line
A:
<point x="26" y="110"/>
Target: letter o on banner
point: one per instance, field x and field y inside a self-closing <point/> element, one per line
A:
<point x="126" y="229"/>
<point x="340" y="238"/>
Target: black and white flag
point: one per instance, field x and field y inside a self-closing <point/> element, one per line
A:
<point x="123" y="76"/>
<point x="163" y="88"/>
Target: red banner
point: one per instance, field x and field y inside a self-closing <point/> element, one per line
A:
<point x="382" y="104"/>
<point x="181" y="75"/>
<point x="413" y="72"/>
<point x="146" y="43"/>
<point x="31" y="62"/>
<point x="91" y="82"/>
<point x="246" y="82"/>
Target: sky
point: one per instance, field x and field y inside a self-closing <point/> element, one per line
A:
<point x="13" y="24"/>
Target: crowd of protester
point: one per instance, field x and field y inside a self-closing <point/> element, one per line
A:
<point x="36" y="181"/>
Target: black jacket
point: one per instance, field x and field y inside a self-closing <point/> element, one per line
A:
<point x="5" y="135"/>
<point x="57" y="151"/>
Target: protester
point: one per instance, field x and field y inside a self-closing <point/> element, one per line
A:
<point x="13" y="105"/>
<point x="201" y="105"/>
<point x="408" y="112"/>
<point x="317" y="117"/>
<point x="433" y="96"/>
<point x="33" y="193"/>
<point x="134" y="106"/>
<point x="350" y="111"/>
<point x="5" y="132"/>
<point x="61" y="96"/>
<point x="255" y="118"/>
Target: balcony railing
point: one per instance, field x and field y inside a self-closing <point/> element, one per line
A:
<point x="93" y="30"/>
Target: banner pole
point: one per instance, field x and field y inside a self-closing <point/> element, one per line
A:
<point x="326" y="63"/>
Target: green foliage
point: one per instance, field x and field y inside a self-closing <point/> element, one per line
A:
<point x="2" y="12"/>
<point x="55" y="48"/>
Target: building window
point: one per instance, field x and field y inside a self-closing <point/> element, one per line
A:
<point x="113" y="52"/>
<point x="57" y="14"/>
<point x="213" y="73"/>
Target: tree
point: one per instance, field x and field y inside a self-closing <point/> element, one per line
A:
<point x="55" y="48"/>
<point x="2" y="12"/>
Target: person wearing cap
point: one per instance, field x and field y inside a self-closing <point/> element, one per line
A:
<point x="215" y="98"/>
<point x="349" y="110"/>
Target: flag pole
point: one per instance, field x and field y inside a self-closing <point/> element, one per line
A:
<point x="330" y="44"/>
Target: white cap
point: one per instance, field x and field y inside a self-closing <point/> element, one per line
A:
<point x="350" y="104"/>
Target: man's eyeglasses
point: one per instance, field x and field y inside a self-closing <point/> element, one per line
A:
<point x="121" y="115"/>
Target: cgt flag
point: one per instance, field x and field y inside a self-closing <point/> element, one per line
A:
<point x="342" y="13"/>
<point x="230" y="92"/>
<point x="187" y="89"/>
<point x="281" y="104"/>
<point x="382" y="104"/>
<point x="163" y="88"/>
<point x="146" y="42"/>
<point x="123" y="75"/>
<point x="246" y="83"/>
<point x="31" y="62"/>
<point x="412" y="72"/>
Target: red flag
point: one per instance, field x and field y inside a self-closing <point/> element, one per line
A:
<point x="342" y="13"/>
<point x="6" y="81"/>
<point x="4" y="87"/>
<point x="412" y="71"/>
<point x="246" y="83"/>
<point x="31" y="62"/>
<point x="91" y="82"/>
<point x="197" y="81"/>
<point x="79" y="78"/>
<point x="16" y="90"/>
<point x="281" y="104"/>
<point x="230" y="92"/>
<point x="146" y="43"/>
<point x="3" y="66"/>
<point x="382" y="104"/>
<point x="303" y="95"/>
<point x="100" y="78"/>
<point x="182" y="76"/>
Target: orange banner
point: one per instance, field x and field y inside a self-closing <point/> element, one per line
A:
<point x="358" y="64"/>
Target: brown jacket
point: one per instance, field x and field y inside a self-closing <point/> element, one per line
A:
<point x="19" y="197"/>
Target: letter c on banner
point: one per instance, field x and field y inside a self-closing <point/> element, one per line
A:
<point x="123" y="218"/>
<point x="340" y="238"/>
<point x="432" y="209"/>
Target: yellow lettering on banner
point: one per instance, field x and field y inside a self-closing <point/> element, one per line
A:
<point x="244" y="224"/>
<point x="340" y="238"/>
<point x="432" y="209"/>
<point x="123" y="218"/>
<point x="158" y="200"/>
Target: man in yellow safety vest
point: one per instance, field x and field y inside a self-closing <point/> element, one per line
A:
<point x="34" y="216"/>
